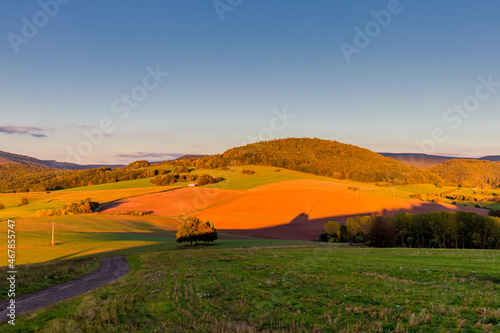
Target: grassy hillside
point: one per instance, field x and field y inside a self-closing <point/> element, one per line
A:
<point x="319" y="289"/>
<point x="469" y="173"/>
<point x="321" y="157"/>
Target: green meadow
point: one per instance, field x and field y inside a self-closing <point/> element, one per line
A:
<point x="312" y="289"/>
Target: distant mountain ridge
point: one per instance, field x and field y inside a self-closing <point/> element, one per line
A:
<point x="6" y="157"/>
<point x="424" y="161"/>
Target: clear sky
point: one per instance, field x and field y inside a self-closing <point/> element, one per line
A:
<point x="334" y="68"/>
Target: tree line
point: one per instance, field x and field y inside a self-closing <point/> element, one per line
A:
<point x="18" y="178"/>
<point x="465" y="230"/>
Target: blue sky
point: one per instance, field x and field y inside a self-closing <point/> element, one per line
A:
<point x="227" y="79"/>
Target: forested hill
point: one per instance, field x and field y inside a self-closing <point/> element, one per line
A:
<point x="469" y="173"/>
<point x="322" y="157"/>
<point x="23" y="177"/>
<point x="6" y="157"/>
<point x="17" y="177"/>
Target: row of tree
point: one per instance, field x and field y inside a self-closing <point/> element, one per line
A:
<point x="174" y="178"/>
<point x="434" y="229"/>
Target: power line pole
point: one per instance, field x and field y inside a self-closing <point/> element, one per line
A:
<point x="53" y="223"/>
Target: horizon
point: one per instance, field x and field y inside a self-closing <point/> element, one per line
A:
<point x="138" y="156"/>
<point x="93" y="83"/>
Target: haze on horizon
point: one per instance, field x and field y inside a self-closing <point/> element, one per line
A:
<point x="170" y="77"/>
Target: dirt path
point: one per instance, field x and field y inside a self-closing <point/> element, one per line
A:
<point x="110" y="269"/>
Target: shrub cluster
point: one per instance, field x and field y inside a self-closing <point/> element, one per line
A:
<point x="86" y="206"/>
<point x="175" y="177"/>
<point x="434" y="229"/>
<point x="193" y="230"/>
<point x="248" y="172"/>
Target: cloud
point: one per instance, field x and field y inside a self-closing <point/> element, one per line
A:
<point x="146" y="155"/>
<point x="36" y="132"/>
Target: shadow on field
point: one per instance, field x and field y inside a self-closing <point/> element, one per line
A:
<point x="303" y="228"/>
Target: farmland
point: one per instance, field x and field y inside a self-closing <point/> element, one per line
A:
<point x="249" y="284"/>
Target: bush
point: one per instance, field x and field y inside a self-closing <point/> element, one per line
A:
<point x="2" y="206"/>
<point x="193" y="230"/>
<point x="24" y="202"/>
<point x="205" y="180"/>
<point x="248" y="172"/>
<point x="182" y="169"/>
<point x="494" y="213"/>
<point x="324" y="237"/>
<point x="416" y="196"/>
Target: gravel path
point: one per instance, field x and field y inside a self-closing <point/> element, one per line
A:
<point x="110" y="269"/>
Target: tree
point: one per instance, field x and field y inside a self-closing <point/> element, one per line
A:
<point x="24" y="202"/>
<point x="332" y="228"/>
<point x="353" y="228"/>
<point x="1" y="206"/>
<point x="383" y="232"/>
<point x="193" y="230"/>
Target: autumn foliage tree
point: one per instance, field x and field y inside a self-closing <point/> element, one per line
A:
<point x="193" y="230"/>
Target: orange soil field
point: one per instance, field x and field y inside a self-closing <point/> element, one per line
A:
<point x="171" y="203"/>
<point x="280" y="210"/>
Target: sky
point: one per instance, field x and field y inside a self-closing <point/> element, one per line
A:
<point x="118" y="81"/>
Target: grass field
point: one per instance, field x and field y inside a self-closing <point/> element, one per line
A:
<point x="81" y="240"/>
<point x="57" y="199"/>
<point x="81" y="235"/>
<point x="320" y="289"/>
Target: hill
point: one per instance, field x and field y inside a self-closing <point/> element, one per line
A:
<point x="469" y="173"/>
<point x="321" y="157"/>
<point x="424" y="161"/>
<point x="20" y="177"/>
<point x="492" y="158"/>
<point x="6" y="157"/>
<point x="189" y="157"/>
